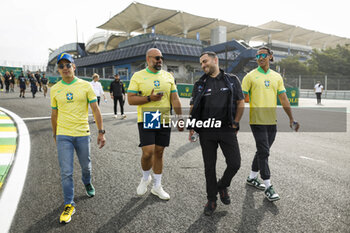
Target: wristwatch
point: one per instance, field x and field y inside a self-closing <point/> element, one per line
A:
<point x="102" y="131"/>
<point x="149" y="98"/>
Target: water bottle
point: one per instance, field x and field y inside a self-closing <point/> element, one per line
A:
<point x="194" y="137"/>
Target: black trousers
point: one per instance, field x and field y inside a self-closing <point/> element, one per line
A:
<point x="229" y="145"/>
<point x="7" y="86"/>
<point x="264" y="137"/>
<point x="34" y="89"/>
<point x="98" y="100"/>
<point x="318" y="96"/>
<point x="121" y="104"/>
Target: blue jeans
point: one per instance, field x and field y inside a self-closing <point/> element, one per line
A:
<point x="65" y="150"/>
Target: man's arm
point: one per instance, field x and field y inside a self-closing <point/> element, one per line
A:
<point x="54" y="122"/>
<point x="102" y="91"/>
<point x="111" y="90"/>
<point x="240" y="99"/>
<point x="240" y="110"/>
<point x="99" y="122"/>
<point x="135" y="99"/>
<point x="194" y="92"/>
<point x="286" y="107"/>
<point x="123" y="90"/>
<point x="175" y="102"/>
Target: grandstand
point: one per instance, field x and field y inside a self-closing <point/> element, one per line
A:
<point x="182" y="37"/>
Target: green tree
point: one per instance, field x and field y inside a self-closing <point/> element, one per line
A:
<point x="292" y="66"/>
<point x="331" y="61"/>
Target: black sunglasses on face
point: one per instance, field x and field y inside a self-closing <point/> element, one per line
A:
<point x="68" y="65"/>
<point x="158" y="57"/>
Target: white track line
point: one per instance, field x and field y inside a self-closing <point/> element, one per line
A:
<point x="316" y="160"/>
<point x="13" y="187"/>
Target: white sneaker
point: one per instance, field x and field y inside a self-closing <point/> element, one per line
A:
<point x="123" y="116"/>
<point x="142" y="188"/>
<point x="116" y="116"/>
<point x="159" y="191"/>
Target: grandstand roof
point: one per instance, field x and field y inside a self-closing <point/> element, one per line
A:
<point x="138" y="51"/>
<point x="138" y="17"/>
<point x="141" y="18"/>
<point x="298" y="35"/>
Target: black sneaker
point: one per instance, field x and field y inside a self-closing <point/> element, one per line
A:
<point x="90" y="190"/>
<point x="210" y="208"/>
<point x="255" y="183"/>
<point x="271" y="194"/>
<point x="224" y="197"/>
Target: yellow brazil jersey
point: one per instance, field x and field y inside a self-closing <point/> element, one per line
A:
<point x="263" y="89"/>
<point x="142" y="83"/>
<point x="71" y="100"/>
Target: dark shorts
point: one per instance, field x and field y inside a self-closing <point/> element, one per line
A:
<point x="159" y="137"/>
<point x="22" y="86"/>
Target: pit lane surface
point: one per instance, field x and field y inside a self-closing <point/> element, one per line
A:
<point x="310" y="171"/>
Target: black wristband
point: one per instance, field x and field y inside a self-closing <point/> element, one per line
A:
<point x="102" y="131"/>
<point x="149" y="98"/>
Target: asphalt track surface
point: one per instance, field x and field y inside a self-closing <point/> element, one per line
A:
<point x="310" y="171"/>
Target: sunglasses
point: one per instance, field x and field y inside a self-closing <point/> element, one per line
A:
<point x="158" y="57"/>
<point x="263" y="55"/>
<point x="61" y="66"/>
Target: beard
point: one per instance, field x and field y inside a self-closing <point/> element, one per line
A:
<point x="210" y="71"/>
<point x="157" y="66"/>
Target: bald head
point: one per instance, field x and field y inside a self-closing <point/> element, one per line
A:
<point x="153" y="52"/>
<point x="154" y="59"/>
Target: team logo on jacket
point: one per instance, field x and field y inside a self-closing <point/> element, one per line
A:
<point x="69" y="96"/>
<point x="267" y="83"/>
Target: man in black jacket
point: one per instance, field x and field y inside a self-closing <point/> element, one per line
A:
<point x="38" y="79"/>
<point x="118" y="94"/>
<point x="217" y="96"/>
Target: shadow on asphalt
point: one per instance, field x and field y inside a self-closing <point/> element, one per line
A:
<point x="252" y="216"/>
<point x="51" y="220"/>
<point x="206" y="223"/>
<point x="128" y="213"/>
<point x="184" y="149"/>
<point x="125" y="121"/>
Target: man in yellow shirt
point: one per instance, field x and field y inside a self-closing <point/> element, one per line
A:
<point x="69" y="118"/>
<point x="263" y="85"/>
<point x="153" y="90"/>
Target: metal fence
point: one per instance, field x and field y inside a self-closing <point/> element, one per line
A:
<point x="105" y="72"/>
<point x="329" y="82"/>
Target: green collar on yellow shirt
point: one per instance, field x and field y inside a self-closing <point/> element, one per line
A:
<point x="148" y="70"/>
<point x="74" y="80"/>
<point x="261" y="70"/>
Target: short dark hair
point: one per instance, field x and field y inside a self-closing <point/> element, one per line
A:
<point x="266" y="48"/>
<point x="209" y="53"/>
<point x="269" y="51"/>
